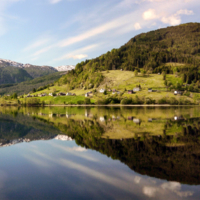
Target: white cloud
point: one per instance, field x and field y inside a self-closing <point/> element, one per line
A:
<point x="150" y="191"/>
<point x="43" y="50"/>
<point x="137" y="179"/>
<point x="176" y="187"/>
<point x="185" y="12"/>
<point x="171" y="186"/>
<point x="79" y="56"/>
<point x="95" y="174"/>
<point x="175" y="19"/>
<point x="150" y="14"/>
<point x="79" y="149"/>
<point x="137" y="26"/>
<point x="116" y="23"/>
<point x="54" y="1"/>
<point x="172" y="20"/>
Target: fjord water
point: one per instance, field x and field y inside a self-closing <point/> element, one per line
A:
<point x="100" y="153"/>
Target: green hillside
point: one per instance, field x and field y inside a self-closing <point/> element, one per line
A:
<point x="146" y="53"/>
<point x="38" y="71"/>
<point x="29" y="86"/>
<point x="10" y="74"/>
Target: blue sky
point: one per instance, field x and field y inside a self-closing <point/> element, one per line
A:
<point x="65" y="32"/>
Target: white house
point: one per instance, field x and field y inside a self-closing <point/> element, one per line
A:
<point x="102" y="119"/>
<point x="101" y="90"/>
<point x="136" y="89"/>
<point x="137" y="121"/>
<point x="69" y="94"/>
<point x="177" y="92"/>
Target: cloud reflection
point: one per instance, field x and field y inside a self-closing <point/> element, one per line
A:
<point x="168" y="188"/>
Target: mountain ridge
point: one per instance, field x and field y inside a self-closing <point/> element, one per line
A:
<point x="15" y="72"/>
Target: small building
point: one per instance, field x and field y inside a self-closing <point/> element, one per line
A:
<point x="52" y="115"/>
<point x="101" y="90"/>
<point x="137" y="121"/>
<point x="86" y="95"/>
<point x="68" y="115"/>
<point x="130" y="118"/>
<point x="178" y="118"/>
<point x="150" y="90"/>
<point x="73" y="94"/>
<point x="42" y="95"/>
<point x="27" y="95"/>
<point x="50" y="94"/>
<point x="178" y="92"/>
<point x="136" y="89"/>
<point x="61" y="94"/>
<point x="69" y="94"/>
<point x="114" y="90"/>
<point x="130" y="91"/>
<point x="102" y="119"/>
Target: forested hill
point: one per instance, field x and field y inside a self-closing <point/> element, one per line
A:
<point x="149" y="52"/>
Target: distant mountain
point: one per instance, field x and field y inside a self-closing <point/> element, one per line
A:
<point x="28" y="86"/>
<point x="12" y="72"/>
<point x="65" y="68"/>
<point x="33" y="71"/>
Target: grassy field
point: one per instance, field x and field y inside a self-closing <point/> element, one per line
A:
<point x="120" y="81"/>
<point x="57" y="100"/>
<point x="125" y="79"/>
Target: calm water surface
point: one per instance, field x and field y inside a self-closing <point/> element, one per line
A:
<point x="100" y="153"/>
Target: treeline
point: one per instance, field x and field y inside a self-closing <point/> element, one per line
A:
<point x="144" y="100"/>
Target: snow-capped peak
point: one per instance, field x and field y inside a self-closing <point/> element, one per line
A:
<point x="65" y="68"/>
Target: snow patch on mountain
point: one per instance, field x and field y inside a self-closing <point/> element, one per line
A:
<point x="65" y="68"/>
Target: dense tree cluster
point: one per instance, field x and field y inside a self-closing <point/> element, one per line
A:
<point x="83" y="77"/>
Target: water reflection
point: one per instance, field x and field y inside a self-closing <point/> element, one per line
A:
<point x="159" y="142"/>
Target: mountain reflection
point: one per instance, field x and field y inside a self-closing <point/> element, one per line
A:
<point x="158" y="142"/>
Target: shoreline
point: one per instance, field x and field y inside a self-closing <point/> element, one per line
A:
<point x="107" y="105"/>
<point x="118" y="105"/>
